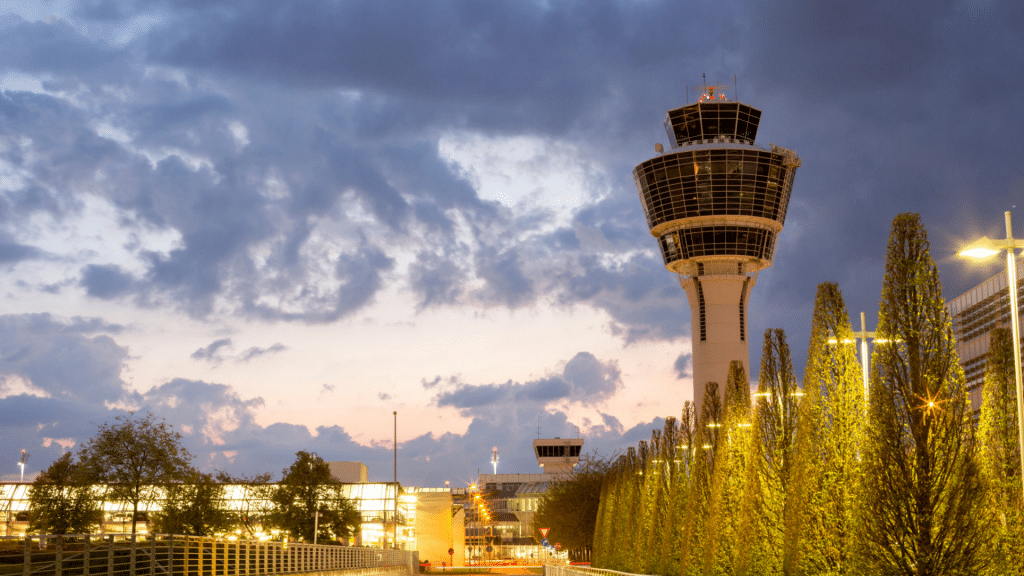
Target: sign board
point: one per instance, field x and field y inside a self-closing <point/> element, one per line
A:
<point x="545" y="542"/>
<point x="490" y="548"/>
<point x="451" y="551"/>
<point x="544" y="532"/>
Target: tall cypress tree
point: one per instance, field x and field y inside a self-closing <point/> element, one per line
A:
<point x="923" y="512"/>
<point x="768" y="467"/>
<point x="1000" y="455"/>
<point x="679" y="491"/>
<point x="826" y="455"/>
<point x="659" y="538"/>
<point x="727" y="480"/>
<point x="691" y="559"/>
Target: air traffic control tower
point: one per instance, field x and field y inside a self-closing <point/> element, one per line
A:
<point x="716" y="202"/>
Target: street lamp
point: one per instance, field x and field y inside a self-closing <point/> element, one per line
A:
<point x="988" y="247"/>
<point x="863" y="336"/>
<point x="24" y="458"/>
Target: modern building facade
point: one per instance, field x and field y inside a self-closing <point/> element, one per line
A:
<point x="375" y="501"/>
<point x="716" y="202"/>
<point x="974" y="315"/>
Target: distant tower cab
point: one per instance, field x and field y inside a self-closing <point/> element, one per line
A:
<point x="558" y="455"/>
<point x="716" y="202"/>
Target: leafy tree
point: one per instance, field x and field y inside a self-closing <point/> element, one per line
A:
<point x="306" y="489"/>
<point x="661" y="475"/>
<point x="923" y="503"/>
<point x="1000" y="455"/>
<point x="254" y="505"/>
<point x="193" y="507"/>
<point x="133" y="455"/>
<point x="569" y="507"/>
<point x="826" y="455"/>
<point x="727" y="481"/>
<point x="677" y="503"/>
<point x="62" y="500"/>
<point x="694" y="531"/>
<point x="628" y="496"/>
<point x="769" y="465"/>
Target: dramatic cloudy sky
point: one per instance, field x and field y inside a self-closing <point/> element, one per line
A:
<point x="274" y="223"/>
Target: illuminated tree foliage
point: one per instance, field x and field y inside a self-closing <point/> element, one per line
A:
<point x="194" y="507"/>
<point x="826" y="465"/>
<point x="769" y="464"/>
<point x="678" y="494"/>
<point x="694" y="531"/>
<point x="62" y="500"/>
<point x="254" y="506"/>
<point x="662" y="475"/>
<point x="922" y="496"/>
<point x="133" y="455"/>
<point x="727" y="480"/>
<point x="1000" y="455"/>
<point x="307" y="497"/>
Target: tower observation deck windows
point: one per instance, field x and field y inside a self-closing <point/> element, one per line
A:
<point x="710" y="121"/>
<point x="707" y="182"/>
<point x="717" y="241"/>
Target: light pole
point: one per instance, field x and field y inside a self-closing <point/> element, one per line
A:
<point x="863" y="336"/>
<point x="395" y="540"/>
<point x="24" y="458"/>
<point x="316" y="500"/>
<point x="988" y="247"/>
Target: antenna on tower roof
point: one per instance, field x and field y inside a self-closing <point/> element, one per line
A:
<point x="704" y="77"/>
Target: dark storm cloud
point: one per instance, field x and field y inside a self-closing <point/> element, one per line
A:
<point x="105" y="281"/>
<point x="584" y="380"/>
<point x="684" y="366"/>
<point x="256" y="352"/>
<point x="60" y="360"/>
<point x="212" y="352"/>
<point x="436" y="281"/>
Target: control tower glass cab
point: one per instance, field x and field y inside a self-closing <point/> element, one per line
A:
<point x="557" y="455"/>
<point x="716" y="202"/>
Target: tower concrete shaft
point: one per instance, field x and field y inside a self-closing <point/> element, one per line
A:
<point x="716" y="202"/>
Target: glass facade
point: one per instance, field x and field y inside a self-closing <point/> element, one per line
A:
<point x="375" y="502"/>
<point x="712" y="121"/>
<point x="714" y="182"/>
<point x="717" y="241"/>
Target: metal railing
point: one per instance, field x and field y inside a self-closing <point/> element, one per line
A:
<point x="570" y="570"/>
<point x="171" y="555"/>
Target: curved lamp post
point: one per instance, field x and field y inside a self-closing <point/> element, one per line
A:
<point x="988" y="247"/>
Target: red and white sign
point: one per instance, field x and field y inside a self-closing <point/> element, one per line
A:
<point x="544" y="532"/>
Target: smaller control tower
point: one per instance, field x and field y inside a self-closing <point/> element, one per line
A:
<point x="558" y="455"/>
<point x="716" y="202"/>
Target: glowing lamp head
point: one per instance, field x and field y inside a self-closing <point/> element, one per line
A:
<point x="983" y="248"/>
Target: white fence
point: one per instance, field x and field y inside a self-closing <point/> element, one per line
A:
<point x="169" y="555"/>
<point x="562" y="570"/>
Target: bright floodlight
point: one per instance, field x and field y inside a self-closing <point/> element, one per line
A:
<point x="983" y="248"/>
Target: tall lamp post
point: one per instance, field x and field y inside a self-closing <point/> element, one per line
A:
<point x="395" y="541"/>
<point x="987" y="247"/>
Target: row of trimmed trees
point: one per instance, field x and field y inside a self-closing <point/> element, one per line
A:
<point x="818" y="479"/>
<point x="140" y="461"/>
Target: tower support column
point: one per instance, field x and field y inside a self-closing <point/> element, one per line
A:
<point x="718" y="317"/>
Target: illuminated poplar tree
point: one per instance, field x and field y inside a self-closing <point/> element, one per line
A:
<point x="763" y="516"/>
<point x="727" y="481"/>
<point x="922" y="498"/>
<point x="826" y="457"/>
<point x="1000" y="455"/>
